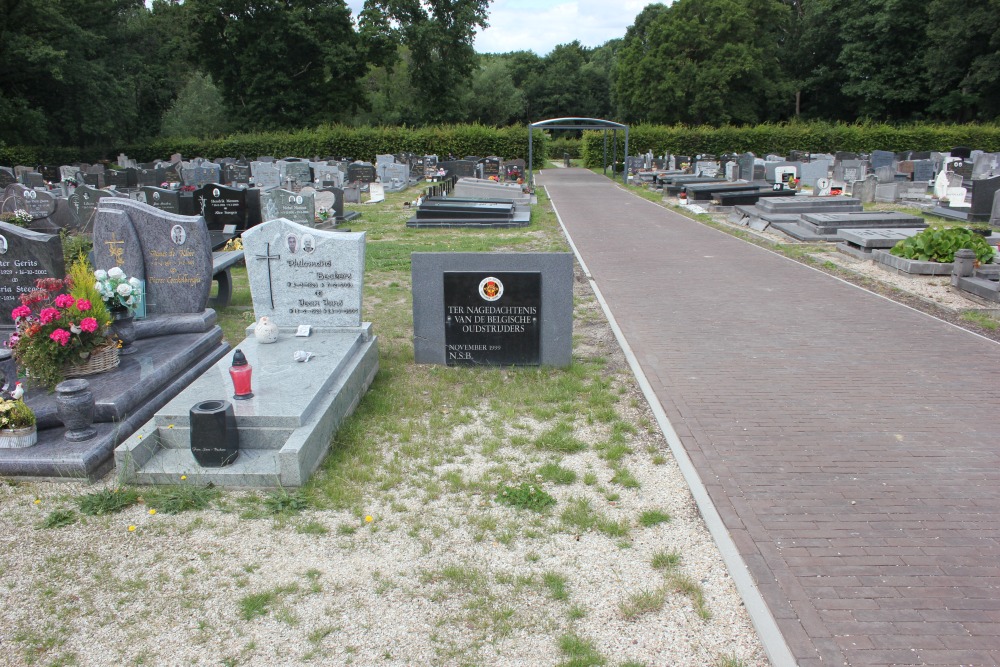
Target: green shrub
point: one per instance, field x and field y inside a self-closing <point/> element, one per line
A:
<point x="939" y="244"/>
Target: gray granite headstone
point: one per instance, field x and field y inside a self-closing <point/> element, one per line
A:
<point x="296" y="173"/>
<point x="84" y="201"/>
<point x="265" y="175"/>
<point x="176" y="252"/>
<point x="325" y="201"/>
<point x="25" y="256"/>
<point x="885" y="174"/>
<point x="983" y="193"/>
<point x="995" y="212"/>
<point x="882" y="159"/>
<point x="986" y="164"/>
<point x="38" y="203"/>
<point x="116" y="243"/>
<point x="352" y="194"/>
<point x="923" y="171"/>
<point x="328" y="173"/>
<point x="7" y="177"/>
<point x="200" y="173"/>
<point x="295" y="206"/>
<point x="865" y="190"/>
<point x="300" y="275"/>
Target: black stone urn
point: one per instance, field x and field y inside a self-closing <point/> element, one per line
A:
<point x="215" y="441"/>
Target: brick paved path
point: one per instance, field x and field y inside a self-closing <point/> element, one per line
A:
<point x="850" y="444"/>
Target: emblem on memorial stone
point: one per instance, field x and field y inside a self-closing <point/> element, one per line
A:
<point x="491" y="288"/>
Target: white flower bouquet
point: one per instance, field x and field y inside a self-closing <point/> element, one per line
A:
<point x="117" y="290"/>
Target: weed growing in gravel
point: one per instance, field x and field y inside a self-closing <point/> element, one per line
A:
<point x="107" y="501"/>
<point x="652" y="518"/>
<point x="556" y="583"/>
<point x="526" y="496"/>
<point x="576" y="612"/>
<point x="642" y="602"/>
<point x="581" y="516"/>
<point x="560" y="439"/>
<point x="624" y="477"/>
<point x="729" y="660"/>
<point x="579" y="652"/>
<point x="177" y="499"/>
<point x="255" y="604"/>
<point x="982" y="319"/>
<point x="58" y="518"/>
<point x="685" y="585"/>
<point x="284" y="502"/>
<point x="665" y="560"/>
<point x="312" y="528"/>
<point x="555" y="473"/>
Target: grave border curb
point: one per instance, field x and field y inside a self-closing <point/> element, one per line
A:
<point x="775" y="646"/>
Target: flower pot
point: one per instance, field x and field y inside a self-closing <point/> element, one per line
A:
<point x="215" y="439"/>
<point x="18" y="438"/>
<point x="123" y="328"/>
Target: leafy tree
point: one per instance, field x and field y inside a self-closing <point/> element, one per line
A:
<point x="704" y="61"/>
<point x="280" y="63"/>
<point x="198" y="110"/>
<point x="439" y="35"/>
<point x="391" y="98"/>
<point x="962" y="58"/>
<point x="882" y="40"/>
<point x="493" y="99"/>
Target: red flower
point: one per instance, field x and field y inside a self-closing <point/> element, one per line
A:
<point x="83" y="305"/>
<point x="64" y="301"/>
<point x="88" y="324"/>
<point x="60" y="336"/>
<point x="20" y="311"/>
<point x="48" y="315"/>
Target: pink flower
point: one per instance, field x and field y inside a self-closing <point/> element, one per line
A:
<point x="60" y="336"/>
<point x="88" y="324"/>
<point x="48" y="315"/>
<point x="64" y="301"/>
<point x="83" y="305"/>
<point x="20" y="311"/>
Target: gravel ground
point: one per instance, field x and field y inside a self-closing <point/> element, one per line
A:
<point x="447" y="578"/>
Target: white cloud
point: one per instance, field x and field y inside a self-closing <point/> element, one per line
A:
<point x="541" y="25"/>
<point x="517" y="25"/>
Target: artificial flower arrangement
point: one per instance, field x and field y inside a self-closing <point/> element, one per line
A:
<point x="118" y="291"/>
<point x="55" y="329"/>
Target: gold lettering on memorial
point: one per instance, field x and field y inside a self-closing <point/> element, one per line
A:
<point x="117" y="252"/>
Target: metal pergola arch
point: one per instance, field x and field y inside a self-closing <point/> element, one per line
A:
<point x="582" y="124"/>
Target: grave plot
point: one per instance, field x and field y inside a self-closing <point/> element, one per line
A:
<point x="789" y="210"/>
<point x="982" y="281"/>
<point x="305" y="281"/>
<point x="674" y="185"/>
<point x="745" y="197"/>
<point x="862" y="243"/>
<point x="174" y="344"/>
<point x="826" y="226"/>
<point x="477" y="188"/>
<point x="456" y="212"/>
<point x="980" y="205"/>
<point x="708" y="191"/>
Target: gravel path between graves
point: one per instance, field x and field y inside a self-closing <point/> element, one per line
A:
<point x="447" y="578"/>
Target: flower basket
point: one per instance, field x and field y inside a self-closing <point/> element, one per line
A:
<point x="100" y="360"/>
<point x="18" y="438"/>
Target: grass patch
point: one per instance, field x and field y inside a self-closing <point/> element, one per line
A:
<point x="685" y="585"/>
<point x="525" y="497"/>
<point x="580" y="515"/>
<point x="283" y="502"/>
<point x="624" y="477"/>
<point x="579" y="652"/>
<point x="59" y="518"/>
<point x="560" y="439"/>
<point x="642" y="602"/>
<point x="981" y="319"/>
<point x="177" y="499"/>
<point x="651" y="518"/>
<point x="256" y="604"/>
<point x="555" y="473"/>
<point x="556" y="584"/>
<point x="107" y="501"/>
<point x="665" y="560"/>
<point x="728" y="660"/>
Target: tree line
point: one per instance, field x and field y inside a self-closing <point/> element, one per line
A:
<point x="99" y="72"/>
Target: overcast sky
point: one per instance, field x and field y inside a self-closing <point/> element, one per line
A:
<point x="541" y="25"/>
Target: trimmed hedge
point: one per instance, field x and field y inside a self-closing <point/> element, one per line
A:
<point x="360" y="143"/>
<point x="781" y="138"/>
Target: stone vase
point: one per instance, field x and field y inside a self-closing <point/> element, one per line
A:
<point x="75" y="407"/>
<point x="123" y="328"/>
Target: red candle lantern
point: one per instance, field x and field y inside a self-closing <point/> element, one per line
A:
<point x="240" y="372"/>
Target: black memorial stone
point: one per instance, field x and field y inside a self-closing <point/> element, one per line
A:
<point x="492" y="319"/>
<point x="222" y="206"/>
<point x="25" y="257"/>
<point x="363" y="173"/>
<point x="165" y="200"/>
<point x="215" y="440"/>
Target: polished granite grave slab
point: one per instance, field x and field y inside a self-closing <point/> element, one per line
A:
<point x="125" y="398"/>
<point x="285" y="429"/>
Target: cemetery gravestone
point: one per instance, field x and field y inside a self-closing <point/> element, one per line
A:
<point x="352" y="194"/>
<point x="266" y="175"/>
<point x="492" y="308"/>
<point x="295" y="206"/>
<point x="200" y="173"/>
<point x="882" y="159"/>
<point x="491" y="167"/>
<point x="176" y="253"/>
<point x="328" y="175"/>
<point x="296" y="173"/>
<point x="235" y="173"/>
<point x="165" y="200"/>
<point x="38" y="203"/>
<point x="923" y="171"/>
<point x="361" y="173"/>
<point x="299" y="275"/>
<point x="746" y="162"/>
<point x="430" y="167"/>
<point x="222" y="206"/>
<point x="83" y="202"/>
<point x="25" y="256"/>
<point x="7" y="177"/>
